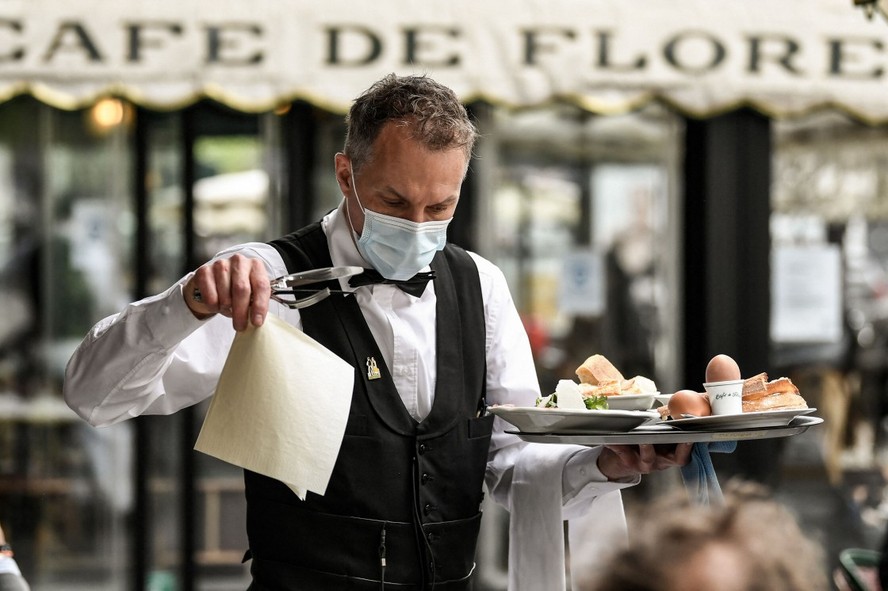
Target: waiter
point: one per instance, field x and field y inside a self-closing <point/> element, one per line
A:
<point x="401" y="510"/>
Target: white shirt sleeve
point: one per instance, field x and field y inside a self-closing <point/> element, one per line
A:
<point x="154" y="357"/>
<point x="512" y="379"/>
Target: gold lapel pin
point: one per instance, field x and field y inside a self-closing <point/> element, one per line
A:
<point x="372" y="369"/>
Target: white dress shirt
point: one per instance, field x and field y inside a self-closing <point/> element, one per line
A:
<point x="155" y="357"/>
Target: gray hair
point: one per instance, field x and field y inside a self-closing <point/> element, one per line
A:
<point x="431" y="110"/>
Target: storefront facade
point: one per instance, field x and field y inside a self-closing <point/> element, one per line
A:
<point x="634" y="180"/>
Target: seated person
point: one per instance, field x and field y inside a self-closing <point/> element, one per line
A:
<point x="748" y="543"/>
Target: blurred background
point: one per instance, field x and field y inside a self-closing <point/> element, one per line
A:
<point x="660" y="182"/>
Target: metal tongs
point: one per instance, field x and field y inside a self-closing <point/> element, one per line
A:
<point x="285" y="289"/>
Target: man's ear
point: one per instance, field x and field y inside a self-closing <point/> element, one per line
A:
<point x="343" y="172"/>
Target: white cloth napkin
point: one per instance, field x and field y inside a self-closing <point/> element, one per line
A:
<point x="536" y="521"/>
<point x="536" y="531"/>
<point x="280" y="407"/>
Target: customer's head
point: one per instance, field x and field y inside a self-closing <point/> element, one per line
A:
<point x="751" y="543"/>
<point x="431" y="111"/>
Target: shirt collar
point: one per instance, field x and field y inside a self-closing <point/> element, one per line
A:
<point x="343" y="251"/>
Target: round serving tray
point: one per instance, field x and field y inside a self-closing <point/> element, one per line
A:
<point x="665" y="434"/>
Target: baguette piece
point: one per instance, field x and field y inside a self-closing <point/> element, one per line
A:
<point x="598" y="370"/>
<point x="782" y="386"/>
<point x="780" y="401"/>
<point x="755" y="387"/>
<point x="778" y="394"/>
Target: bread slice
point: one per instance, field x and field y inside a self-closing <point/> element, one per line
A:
<point x="760" y="395"/>
<point x="603" y="389"/>
<point x="781" y="386"/>
<point x="755" y="387"/>
<point x="598" y="370"/>
<point x="779" y="401"/>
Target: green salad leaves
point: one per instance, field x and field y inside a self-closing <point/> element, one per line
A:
<point x="591" y="402"/>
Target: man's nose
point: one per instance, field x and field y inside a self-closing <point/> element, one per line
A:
<point x="416" y="215"/>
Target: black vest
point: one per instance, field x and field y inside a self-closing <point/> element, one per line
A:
<point x="403" y="502"/>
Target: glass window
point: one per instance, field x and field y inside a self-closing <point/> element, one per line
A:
<point x="830" y="305"/>
<point x="233" y="203"/>
<point x="581" y="211"/>
<point x="330" y="140"/>
<point x="66" y="235"/>
<point x="581" y="214"/>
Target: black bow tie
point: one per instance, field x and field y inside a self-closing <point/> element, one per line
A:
<point x="414" y="286"/>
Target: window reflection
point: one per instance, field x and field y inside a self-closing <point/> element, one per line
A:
<point x="66" y="230"/>
<point x="581" y="213"/>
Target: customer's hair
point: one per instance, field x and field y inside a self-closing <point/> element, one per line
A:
<point x="750" y="543"/>
<point x="430" y="110"/>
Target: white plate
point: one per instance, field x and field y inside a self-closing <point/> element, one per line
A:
<point x="745" y="420"/>
<point x="630" y="401"/>
<point x="558" y="420"/>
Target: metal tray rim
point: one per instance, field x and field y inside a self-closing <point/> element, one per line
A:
<point x="647" y="435"/>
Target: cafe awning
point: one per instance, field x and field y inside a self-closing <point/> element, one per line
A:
<point x="701" y="57"/>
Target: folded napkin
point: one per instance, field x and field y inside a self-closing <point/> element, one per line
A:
<point x="536" y="531"/>
<point x="536" y="521"/>
<point x="280" y="407"/>
<point x="699" y="475"/>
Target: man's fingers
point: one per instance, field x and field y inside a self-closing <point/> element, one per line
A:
<point x="646" y="453"/>
<point x="647" y="458"/>
<point x="222" y="284"/>
<point x="237" y="287"/>
<point x="261" y="291"/>
<point x="683" y="453"/>
<point x="200" y="293"/>
<point x="249" y="291"/>
<point x="240" y="291"/>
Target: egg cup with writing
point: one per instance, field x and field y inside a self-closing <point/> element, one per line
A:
<point x="725" y="398"/>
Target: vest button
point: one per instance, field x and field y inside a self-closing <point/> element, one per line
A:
<point x="426" y="477"/>
<point x="432" y="537"/>
<point x="422" y="448"/>
<point x="428" y="508"/>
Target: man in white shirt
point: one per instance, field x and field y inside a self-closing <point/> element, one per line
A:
<point x="402" y="506"/>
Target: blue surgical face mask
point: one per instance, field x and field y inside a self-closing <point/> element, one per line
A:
<point x="398" y="248"/>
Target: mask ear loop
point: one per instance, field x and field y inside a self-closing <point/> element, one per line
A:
<point x="354" y="184"/>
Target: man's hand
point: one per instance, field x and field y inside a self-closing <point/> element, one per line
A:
<point x="237" y="287"/>
<point x="622" y="461"/>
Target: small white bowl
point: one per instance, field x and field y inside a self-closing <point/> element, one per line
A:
<point x="662" y="399"/>
<point x="630" y="401"/>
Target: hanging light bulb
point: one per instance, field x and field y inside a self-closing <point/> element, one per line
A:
<point x="107" y="113"/>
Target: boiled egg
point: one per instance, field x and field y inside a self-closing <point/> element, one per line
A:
<point x="688" y="402"/>
<point x="722" y="368"/>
